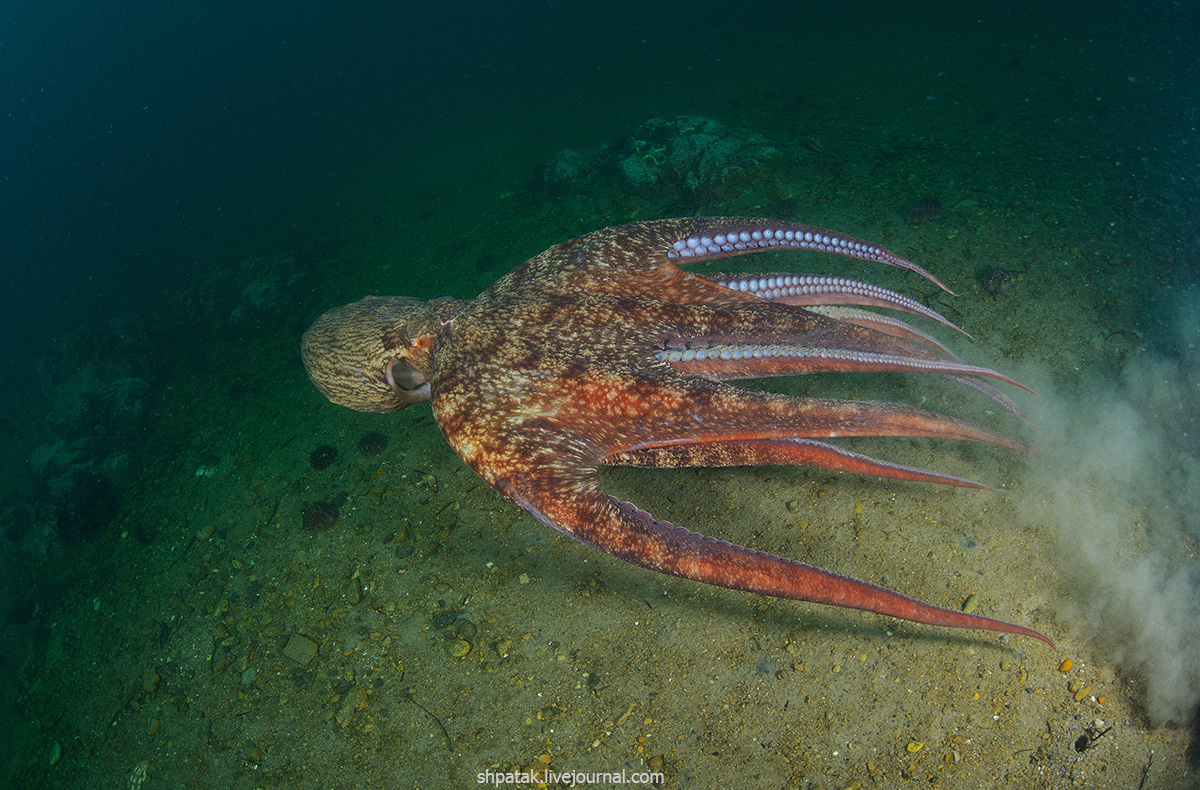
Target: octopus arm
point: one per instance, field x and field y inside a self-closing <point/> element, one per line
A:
<point x="711" y="238"/>
<point x="979" y="385"/>
<point x="809" y="290"/>
<point x="567" y="498"/>
<point x="778" y="452"/>
<point x="721" y="361"/>
<point x="766" y="339"/>
<point x="695" y="411"/>
<point x="652" y="251"/>
<point x="885" y="324"/>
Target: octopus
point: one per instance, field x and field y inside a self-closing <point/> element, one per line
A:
<point x="603" y="350"/>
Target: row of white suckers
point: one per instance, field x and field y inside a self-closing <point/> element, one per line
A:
<point x="758" y="352"/>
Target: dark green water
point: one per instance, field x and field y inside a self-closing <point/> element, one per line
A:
<point x="186" y="187"/>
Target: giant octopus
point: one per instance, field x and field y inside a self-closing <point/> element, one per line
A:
<point x="602" y="350"/>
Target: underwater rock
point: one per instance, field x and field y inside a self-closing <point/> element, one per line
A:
<point x="125" y="403"/>
<point x="74" y="402"/>
<point x="87" y="404"/>
<point x="692" y="153"/>
<point x="319" y="516"/>
<point x="53" y="465"/>
<point x="300" y="649"/>
<point x="567" y="166"/>
<point x="268" y="296"/>
<point x="96" y="381"/>
<point x="44" y="461"/>
<point x="261" y="297"/>
<point x="689" y="153"/>
<point x="642" y="172"/>
<point x="119" y="470"/>
<point x="30" y="528"/>
<point x="87" y="507"/>
<point x="100" y="430"/>
<point x="100" y="392"/>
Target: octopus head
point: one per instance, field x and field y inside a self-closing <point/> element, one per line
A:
<point x="373" y="355"/>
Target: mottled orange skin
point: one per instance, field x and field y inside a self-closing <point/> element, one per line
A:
<point x="561" y="367"/>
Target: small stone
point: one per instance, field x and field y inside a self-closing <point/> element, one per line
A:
<point x="459" y="647"/>
<point x="914" y="746"/>
<point x="150" y="680"/>
<point x="465" y="629"/>
<point x="55" y="753"/>
<point x="300" y="649"/>
<point x="354" y="591"/>
<point x="1066" y="665"/>
<point x="444" y="618"/>
<point x="356" y="699"/>
<point x="969" y="605"/>
<point x="793" y="506"/>
<point x="346" y="712"/>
